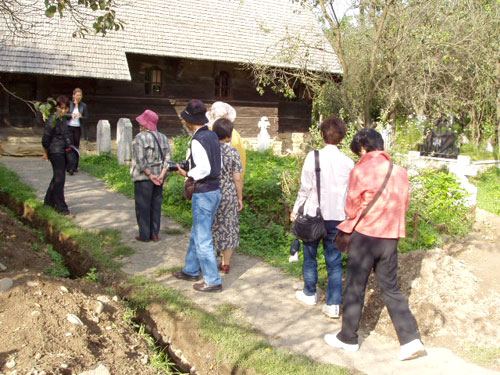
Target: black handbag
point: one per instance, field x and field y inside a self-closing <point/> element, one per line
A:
<point x="310" y="228"/>
<point x="342" y="239"/>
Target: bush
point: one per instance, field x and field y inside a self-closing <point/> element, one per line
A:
<point x="437" y="207"/>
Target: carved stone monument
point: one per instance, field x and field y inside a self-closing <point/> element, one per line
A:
<point x="440" y="142"/>
<point x="124" y="141"/>
<point x="263" y="139"/>
<point x="103" y="141"/>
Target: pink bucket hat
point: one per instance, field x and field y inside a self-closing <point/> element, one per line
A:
<point x="148" y="119"/>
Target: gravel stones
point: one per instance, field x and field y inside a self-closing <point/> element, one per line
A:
<point x="73" y="319"/>
<point x="100" y="369"/>
<point x="5" y="284"/>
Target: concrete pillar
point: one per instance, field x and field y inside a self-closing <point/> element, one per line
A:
<point x="103" y="141"/>
<point x="124" y="141"/>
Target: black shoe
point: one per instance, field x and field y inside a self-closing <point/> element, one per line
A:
<point x="184" y="276"/>
<point x="70" y="172"/>
<point x="204" y="287"/>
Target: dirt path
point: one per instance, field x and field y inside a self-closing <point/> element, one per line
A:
<point x="264" y="294"/>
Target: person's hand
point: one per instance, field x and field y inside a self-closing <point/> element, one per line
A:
<point x="155" y="179"/>
<point x="240" y="204"/>
<point x="45" y="156"/>
<point x="181" y="171"/>
<point x="293" y="216"/>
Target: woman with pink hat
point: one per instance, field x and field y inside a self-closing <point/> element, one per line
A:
<point x="150" y="156"/>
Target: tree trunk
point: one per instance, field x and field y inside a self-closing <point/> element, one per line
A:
<point x="498" y="105"/>
<point x="372" y="84"/>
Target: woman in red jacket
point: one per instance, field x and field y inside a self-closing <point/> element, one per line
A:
<point x="374" y="244"/>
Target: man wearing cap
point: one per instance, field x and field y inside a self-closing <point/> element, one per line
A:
<point x="150" y="156"/>
<point x="204" y="168"/>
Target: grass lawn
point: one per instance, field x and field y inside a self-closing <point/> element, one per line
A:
<point x="488" y="195"/>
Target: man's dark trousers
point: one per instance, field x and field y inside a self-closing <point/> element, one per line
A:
<point x="148" y="198"/>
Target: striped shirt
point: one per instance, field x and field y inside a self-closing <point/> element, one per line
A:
<point x="146" y="154"/>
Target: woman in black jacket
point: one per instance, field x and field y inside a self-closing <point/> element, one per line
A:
<point x="56" y="142"/>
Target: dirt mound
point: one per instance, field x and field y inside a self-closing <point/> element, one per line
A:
<point x="453" y="292"/>
<point x="55" y="325"/>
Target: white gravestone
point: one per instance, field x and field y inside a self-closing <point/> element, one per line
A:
<point x="386" y="136"/>
<point x="124" y="141"/>
<point x="103" y="137"/>
<point x="263" y="139"/>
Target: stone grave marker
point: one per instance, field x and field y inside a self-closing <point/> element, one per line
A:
<point x="124" y="141"/>
<point x="103" y="137"/>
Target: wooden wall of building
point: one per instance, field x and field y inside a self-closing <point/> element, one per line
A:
<point x="181" y="80"/>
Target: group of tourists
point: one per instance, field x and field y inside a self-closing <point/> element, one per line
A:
<point x="61" y="142"/>
<point x="368" y="200"/>
<point x="216" y="170"/>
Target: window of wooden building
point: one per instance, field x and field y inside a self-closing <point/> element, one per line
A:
<point x="223" y="85"/>
<point x="152" y="81"/>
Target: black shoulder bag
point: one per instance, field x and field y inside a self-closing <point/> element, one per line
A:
<point x="342" y="239"/>
<point x="310" y="228"/>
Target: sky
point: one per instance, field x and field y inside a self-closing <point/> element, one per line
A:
<point x="342" y="6"/>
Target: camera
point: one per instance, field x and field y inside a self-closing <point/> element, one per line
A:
<point x="172" y="165"/>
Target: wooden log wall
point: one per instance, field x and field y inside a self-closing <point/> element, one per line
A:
<point x="181" y="80"/>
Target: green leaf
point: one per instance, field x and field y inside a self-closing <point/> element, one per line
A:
<point x="50" y="11"/>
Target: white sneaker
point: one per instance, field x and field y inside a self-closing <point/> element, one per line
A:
<point x="332" y="311"/>
<point x="332" y="340"/>
<point x="294" y="258"/>
<point x="412" y="350"/>
<point x="308" y="300"/>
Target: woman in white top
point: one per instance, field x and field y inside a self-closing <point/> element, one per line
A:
<point x="334" y="177"/>
<point x="77" y="115"/>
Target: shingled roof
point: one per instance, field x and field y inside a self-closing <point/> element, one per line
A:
<point x="240" y="31"/>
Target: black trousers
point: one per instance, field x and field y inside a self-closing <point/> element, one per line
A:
<point x="55" y="193"/>
<point x="381" y="255"/>
<point x="148" y="198"/>
<point x="75" y="133"/>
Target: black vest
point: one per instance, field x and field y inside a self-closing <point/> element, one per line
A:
<point x="210" y="142"/>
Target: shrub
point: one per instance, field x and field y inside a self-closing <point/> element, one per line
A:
<point x="437" y="207"/>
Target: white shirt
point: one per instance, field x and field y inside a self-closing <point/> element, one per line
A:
<point x="201" y="161"/>
<point x="334" y="179"/>
<point x="75" y="121"/>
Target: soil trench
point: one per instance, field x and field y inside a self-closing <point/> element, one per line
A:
<point x="35" y="307"/>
